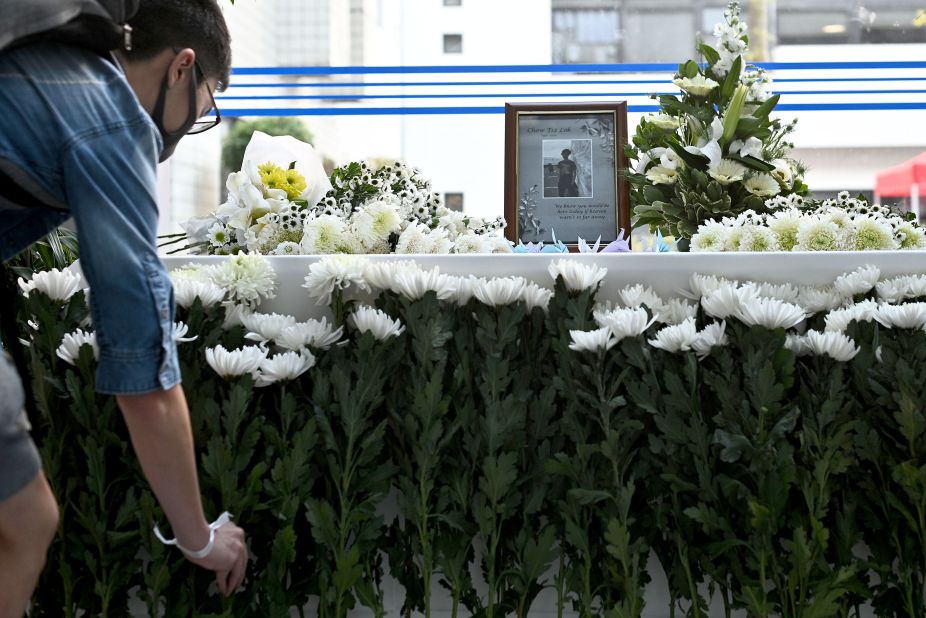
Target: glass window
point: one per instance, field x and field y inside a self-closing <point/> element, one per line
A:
<point x="453" y="43"/>
<point x="586" y="36"/>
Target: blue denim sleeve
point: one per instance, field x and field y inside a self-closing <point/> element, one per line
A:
<point x="111" y="189"/>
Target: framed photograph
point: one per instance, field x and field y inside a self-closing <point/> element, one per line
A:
<point x="562" y="172"/>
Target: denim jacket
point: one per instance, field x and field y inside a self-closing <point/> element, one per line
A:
<point x="71" y="124"/>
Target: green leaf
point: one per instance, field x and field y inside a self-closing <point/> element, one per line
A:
<point x="710" y="54"/>
<point x="732" y="79"/>
<point x="766" y="108"/>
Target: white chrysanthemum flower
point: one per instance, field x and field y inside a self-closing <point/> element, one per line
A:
<point x="727" y="171"/>
<point x="263" y="327"/>
<point x="287" y="247"/>
<point x="757" y="238"/>
<point x="414" y="283"/>
<point x="414" y="239"/>
<point x="465" y="290"/>
<point x="453" y="221"/>
<point x="637" y="296"/>
<point x="818" y="299"/>
<point x="624" y="322"/>
<point x="763" y="185"/>
<point x="698" y="85"/>
<point x="191" y="272"/>
<point x="872" y="234"/>
<point x="910" y="236"/>
<point x="703" y="285"/>
<point x="498" y="244"/>
<point x="337" y="272"/>
<point x="375" y="221"/>
<point x="186" y="291"/>
<point x="318" y="334"/>
<point x="781" y="291"/>
<point x="233" y="314"/>
<point x="835" y="345"/>
<point x="797" y="344"/>
<point x="723" y="302"/>
<point x="909" y="316"/>
<point x="663" y="121"/>
<point x="861" y="281"/>
<point x="841" y="218"/>
<point x="678" y="338"/>
<point x="232" y="364"/>
<point x="713" y="336"/>
<point x="838" y="320"/>
<point x="892" y="290"/>
<point x="676" y="311"/>
<point x="711" y="236"/>
<point x="246" y="278"/>
<point x="816" y="234"/>
<point x="180" y="332"/>
<point x="471" y="243"/>
<point x="592" y="341"/>
<point x="58" y="285"/>
<point x="499" y="291"/>
<point x="577" y="276"/>
<point x="380" y="275"/>
<point x="325" y="234"/>
<point x="535" y="296"/>
<point x="366" y="319"/>
<point x="770" y="313"/>
<point x="785" y="225"/>
<point x="69" y="350"/>
<point x="218" y="235"/>
<point x="661" y="175"/>
<point x="901" y="288"/>
<point x="284" y="367"/>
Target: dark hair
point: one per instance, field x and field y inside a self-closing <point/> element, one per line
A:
<point x="566" y="151"/>
<point x="176" y="24"/>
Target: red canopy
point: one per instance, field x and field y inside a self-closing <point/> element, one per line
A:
<point x="897" y="181"/>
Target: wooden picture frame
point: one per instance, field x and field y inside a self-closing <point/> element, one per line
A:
<point x="582" y="194"/>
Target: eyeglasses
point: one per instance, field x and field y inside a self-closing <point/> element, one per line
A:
<point x="204" y="124"/>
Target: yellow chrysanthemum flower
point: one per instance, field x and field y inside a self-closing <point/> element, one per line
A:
<point x="275" y="177"/>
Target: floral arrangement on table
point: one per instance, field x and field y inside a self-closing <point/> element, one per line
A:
<point x="282" y="203"/>
<point x="714" y="151"/>
<point x="794" y="224"/>
<point x="766" y="431"/>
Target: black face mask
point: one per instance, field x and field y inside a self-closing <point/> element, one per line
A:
<point x="172" y="138"/>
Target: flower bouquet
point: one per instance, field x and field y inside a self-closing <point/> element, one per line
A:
<point x="713" y="151"/>
<point x="282" y="203"/>
<point x="795" y="224"/>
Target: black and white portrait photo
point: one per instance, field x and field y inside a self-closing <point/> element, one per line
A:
<point x="567" y="168"/>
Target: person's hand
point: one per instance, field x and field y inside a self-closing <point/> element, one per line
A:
<point x="228" y="558"/>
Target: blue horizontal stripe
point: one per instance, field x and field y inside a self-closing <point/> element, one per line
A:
<point x="507" y="95"/>
<point x="571" y="82"/>
<point x="412" y="111"/>
<point x="354" y="97"/>
<point x="558" y="68"/>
